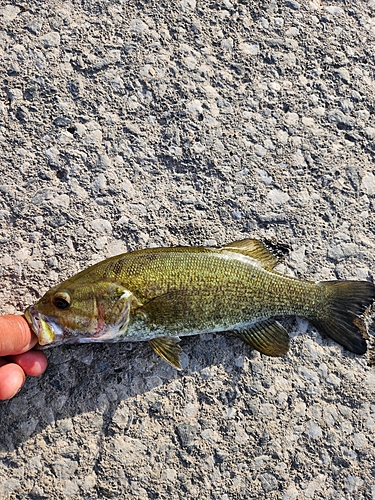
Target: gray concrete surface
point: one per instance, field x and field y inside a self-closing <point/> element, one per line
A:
<point x="131" y="124"/>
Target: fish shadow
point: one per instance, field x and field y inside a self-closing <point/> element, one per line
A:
<point x="95" y="379"/>
<point x="98" y="377"/>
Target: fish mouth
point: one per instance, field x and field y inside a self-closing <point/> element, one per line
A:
<point x="48" y="332"/>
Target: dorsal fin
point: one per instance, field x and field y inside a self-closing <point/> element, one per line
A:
<point x="267" y="253"/>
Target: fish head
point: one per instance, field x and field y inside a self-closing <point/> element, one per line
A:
<point x="81" y="313"/>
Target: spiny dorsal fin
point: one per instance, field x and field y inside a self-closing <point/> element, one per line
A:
<point x="168" y="349"/>
<point x="267" y="337"/>
<point x="266" y="253"/>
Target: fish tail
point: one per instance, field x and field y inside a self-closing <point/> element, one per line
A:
<point x="340" y="314"/>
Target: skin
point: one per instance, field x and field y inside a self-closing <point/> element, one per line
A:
<point x="17" y="359"/>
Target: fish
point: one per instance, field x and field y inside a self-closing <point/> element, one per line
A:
<point x="162" y="294"/>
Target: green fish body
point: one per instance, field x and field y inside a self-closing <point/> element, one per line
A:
<point x="161" y="294"/>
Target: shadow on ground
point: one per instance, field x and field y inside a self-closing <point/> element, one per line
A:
<point x="83" y="379"/>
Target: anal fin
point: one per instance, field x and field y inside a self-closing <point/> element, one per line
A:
<point x="267" y="337"/>
<point x="168" y="349"/>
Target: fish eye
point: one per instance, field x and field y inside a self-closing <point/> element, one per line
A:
<point x="61" y="300"/>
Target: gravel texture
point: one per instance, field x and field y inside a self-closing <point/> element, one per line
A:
<point x="130" y="124"/>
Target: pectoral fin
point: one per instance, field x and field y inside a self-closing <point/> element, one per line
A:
<point x="168" y="349"/>
<point x="171" y="308"/>
<point x="267" y="337"/>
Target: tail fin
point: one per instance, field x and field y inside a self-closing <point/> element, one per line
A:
<point x="340" y="317"/>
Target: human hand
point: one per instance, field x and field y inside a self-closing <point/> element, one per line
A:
<point x="16" y="359"/>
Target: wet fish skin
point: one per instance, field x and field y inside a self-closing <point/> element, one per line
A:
<point x="161" y="294"/>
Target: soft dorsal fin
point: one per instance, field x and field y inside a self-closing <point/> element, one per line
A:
<point x="266" y="253"/>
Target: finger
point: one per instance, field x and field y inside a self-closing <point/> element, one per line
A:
<point x="12" y="378"/>
<point x="33" y="363"/>
<point x="16" y="336"/>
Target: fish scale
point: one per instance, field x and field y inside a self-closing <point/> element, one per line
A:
<point x="211" y="273"/>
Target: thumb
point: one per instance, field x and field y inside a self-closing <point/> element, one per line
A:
<point x="16" y="336"/>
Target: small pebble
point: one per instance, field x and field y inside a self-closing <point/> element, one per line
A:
<point x="249" y="49"/>
<point x="101" y="226"/>
<point x="334" y="10"/>
<point x="370" y="133"/>
<point x="330" y="414"/>
<point x="291" y="119"/>
<point x="292" y="4"/>
<point x="360" y="441"/>
<point x="344" y="74"/>
<point x="268" y="482"/>
<point x="50" y="40"/>
<point x="188" y="5"/>
<point x="10" y="12"/>
<point x="35" y="25"/>
<point x="210" y="435"/>
<point x="194" y="106"/>
<point x="291" y="494"/>
<point x="277" y="197"/>
<point x="333" y="380"/>
<point x="138" y="26"/>
<point x="368" y="183"/>
<point x="313" y="430"/>
<point x="227" y="44"/>
<point x="353" y="483"/>
<point x="310" y="375"/>
<point x="259" y="150"/>
<point x="93" y="138"/>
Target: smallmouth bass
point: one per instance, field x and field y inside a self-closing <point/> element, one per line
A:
<point x="160" y="294"/>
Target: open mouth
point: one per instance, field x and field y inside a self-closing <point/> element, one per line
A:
<point x="32" y="318"/>
<point x="43" y="329"/>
